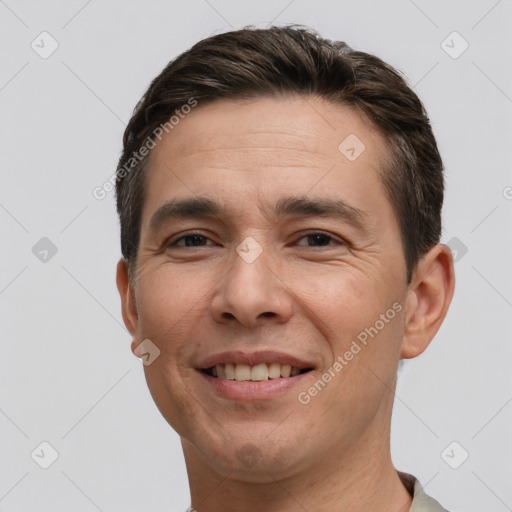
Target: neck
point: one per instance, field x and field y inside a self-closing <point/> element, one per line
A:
<point x="361" y="477"/>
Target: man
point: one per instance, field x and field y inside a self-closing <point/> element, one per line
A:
<point x="280" y="204"/>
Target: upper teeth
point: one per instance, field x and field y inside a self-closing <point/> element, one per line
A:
<point x="259" y="372"/>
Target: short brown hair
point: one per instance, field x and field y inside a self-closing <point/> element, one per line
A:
<point x="252" y="62"/>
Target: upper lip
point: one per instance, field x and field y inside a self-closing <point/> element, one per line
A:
<point x="253" y="358"/>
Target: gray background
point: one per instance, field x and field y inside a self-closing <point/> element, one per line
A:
<point x="67" y="375"/>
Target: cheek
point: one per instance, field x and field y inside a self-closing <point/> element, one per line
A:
<point x="169" y="312"/>
<point x="170" y="392"/>
<point x="361" y="325"/>
<point x="167" y="303"/>
<point x="340" y="303"/>
<point x="360" y="381"/>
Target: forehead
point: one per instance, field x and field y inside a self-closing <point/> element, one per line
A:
<point x="268" y="147"/>
<point x="299" y="128"/>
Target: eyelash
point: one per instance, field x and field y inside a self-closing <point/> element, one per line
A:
<point x="313" y="233"/>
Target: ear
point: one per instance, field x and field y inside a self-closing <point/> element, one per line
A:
<point x="128" y="304"/>
<point x="430" y="293"/>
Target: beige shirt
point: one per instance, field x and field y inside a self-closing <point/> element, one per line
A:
<point x="421" y="502"/>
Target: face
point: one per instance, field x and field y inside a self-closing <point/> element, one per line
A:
<point x="302" y="265"/>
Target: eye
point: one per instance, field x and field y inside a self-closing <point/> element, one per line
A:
<point x="317" y="238"/>
<point x="321" y="238"/>
<point x="191" y="240"/>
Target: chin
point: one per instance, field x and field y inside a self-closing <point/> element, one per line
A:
<point x="259" y="460"/>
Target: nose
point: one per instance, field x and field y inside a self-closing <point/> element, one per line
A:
<point x="251" y="292"/>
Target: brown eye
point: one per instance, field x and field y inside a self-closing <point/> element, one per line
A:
<point x="319" y="239"/>
<point x="191" y="240"/>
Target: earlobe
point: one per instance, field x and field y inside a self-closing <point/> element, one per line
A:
<point x="428" y="300"/>
<point x="126" y="292"/>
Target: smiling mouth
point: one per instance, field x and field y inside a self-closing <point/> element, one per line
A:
<point x="257" y="373"/>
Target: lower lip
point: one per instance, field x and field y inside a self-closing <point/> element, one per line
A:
<point x="251" y="390"/>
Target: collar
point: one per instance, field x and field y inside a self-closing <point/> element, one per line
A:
<point x="421" y="502"/>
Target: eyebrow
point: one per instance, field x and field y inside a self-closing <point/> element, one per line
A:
<point x="195" y="207"/>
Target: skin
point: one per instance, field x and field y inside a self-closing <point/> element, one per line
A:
<point x="304" y="297"/>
